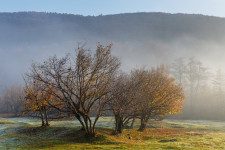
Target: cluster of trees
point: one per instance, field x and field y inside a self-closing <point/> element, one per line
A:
<point x="10" y="100"/>
<point x="192" y="74"/>
<point x="204" y="90"/>
<point x="90" y="84"/>
<point x="145" y="94"/>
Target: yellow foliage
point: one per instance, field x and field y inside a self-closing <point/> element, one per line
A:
<point x="38" y="96"/>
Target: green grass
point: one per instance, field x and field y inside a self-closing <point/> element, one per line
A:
<point x="179" y="135"/>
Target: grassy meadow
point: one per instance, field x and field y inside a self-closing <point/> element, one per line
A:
<point x="26" y="133"/>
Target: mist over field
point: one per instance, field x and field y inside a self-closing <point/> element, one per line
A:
<point x="139" y="39"/>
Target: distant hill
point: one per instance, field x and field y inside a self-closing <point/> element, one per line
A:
<point x="139" y="38"/>
<point x="133" y="26"/>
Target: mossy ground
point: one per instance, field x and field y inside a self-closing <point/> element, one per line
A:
<point x="23" y="133"/>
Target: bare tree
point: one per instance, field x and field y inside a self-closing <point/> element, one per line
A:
<point x="219" y="89"/>
<point x="196" y="75"/>
<point x="179" y="70"/>
<point x="82" y="83"/>
<point x="123" y="100"/>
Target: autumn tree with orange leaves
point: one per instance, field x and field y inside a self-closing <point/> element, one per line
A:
<point x="159" y="95"/>
<point x="144" y="94"/>
<point x="37" y="99"/>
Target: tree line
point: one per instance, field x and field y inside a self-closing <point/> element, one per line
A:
<point x="88" y="85"/>
<point x="204" y="89"/>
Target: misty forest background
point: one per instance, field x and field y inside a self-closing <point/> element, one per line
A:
<point x="191" y="45"/>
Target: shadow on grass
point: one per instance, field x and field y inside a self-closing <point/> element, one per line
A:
<point x="168" y="140"/>
<point x="47" y="137"/>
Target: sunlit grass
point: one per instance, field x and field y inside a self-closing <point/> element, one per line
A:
<point x="23" y="133"/>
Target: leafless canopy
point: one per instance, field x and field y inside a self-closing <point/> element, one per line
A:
<point x="80" y="83"/>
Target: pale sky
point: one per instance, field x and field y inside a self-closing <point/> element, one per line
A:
<point x="97" y="7"/>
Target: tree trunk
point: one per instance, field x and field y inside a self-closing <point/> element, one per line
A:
<point x="87" y="126"/>
<point x="90" y="128"/>
<point x="46" y="118"/>
<point x="143" y="125"/>
<point x="90" y="135"/>
<point x="42" y="118"/>
<point x="132" y="123"/>
<point x="119" y="124"/>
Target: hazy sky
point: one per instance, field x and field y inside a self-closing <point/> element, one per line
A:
<point x="96" y="7"/>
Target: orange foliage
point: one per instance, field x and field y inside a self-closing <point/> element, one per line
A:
<point x="160" y="95"/>
<point x="37" y="97"/>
